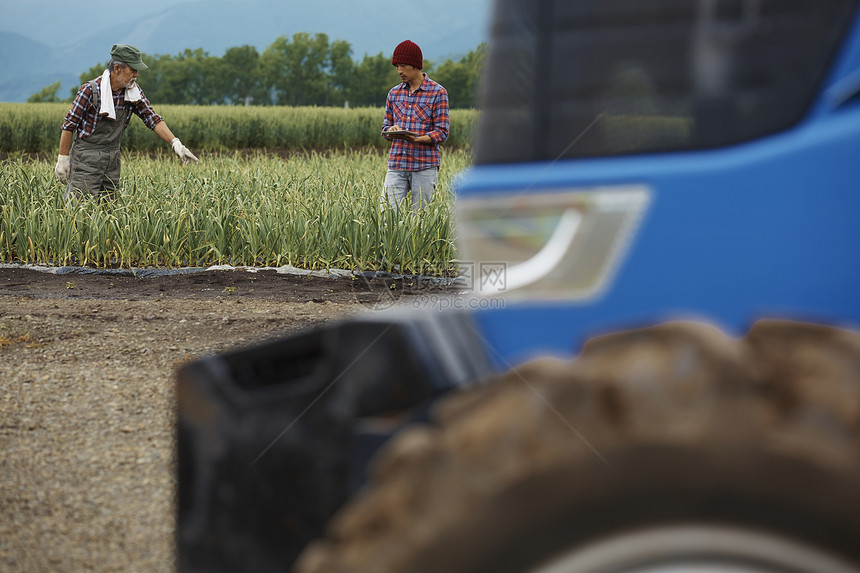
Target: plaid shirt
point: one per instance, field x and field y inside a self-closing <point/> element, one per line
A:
<point x="84" y="115"/>
<point x="424" y="111"/>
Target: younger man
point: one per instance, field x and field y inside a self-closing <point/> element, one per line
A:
<point x="418" y="106"/>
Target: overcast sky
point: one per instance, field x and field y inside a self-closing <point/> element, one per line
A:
<point x="59" y="23"/>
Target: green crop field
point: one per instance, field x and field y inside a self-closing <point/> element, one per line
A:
<point x="35" y="128"/>
<point x="315" y="210"/>
<point x="318" y="209"/>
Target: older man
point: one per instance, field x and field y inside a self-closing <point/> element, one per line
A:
<point x="96" y="122"/>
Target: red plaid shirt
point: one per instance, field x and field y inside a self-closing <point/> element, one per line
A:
<point x="424" y="111"/>
<point x="84" y="115"/>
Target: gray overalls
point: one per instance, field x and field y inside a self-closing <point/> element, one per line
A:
<point x="95" y="161"/>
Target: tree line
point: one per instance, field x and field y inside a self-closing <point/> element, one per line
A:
<point x="304" y="70"/>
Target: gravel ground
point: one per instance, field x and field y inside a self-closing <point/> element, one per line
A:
<point x="87" y="406"/>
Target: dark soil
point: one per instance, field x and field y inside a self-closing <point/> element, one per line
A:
<point x="204" y="285"/>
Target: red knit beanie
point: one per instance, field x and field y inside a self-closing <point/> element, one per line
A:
<point x="408" y="52"/>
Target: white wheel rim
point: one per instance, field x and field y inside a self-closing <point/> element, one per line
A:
<point x="695" y="549"/>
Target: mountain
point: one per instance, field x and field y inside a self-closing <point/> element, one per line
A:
<point x="27" y="65"/>
<point x="38" y="45"/>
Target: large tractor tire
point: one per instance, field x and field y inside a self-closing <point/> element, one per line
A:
<point x="672" y="448"/>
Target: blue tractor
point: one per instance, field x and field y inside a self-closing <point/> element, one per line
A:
<point x="658" y="369"/>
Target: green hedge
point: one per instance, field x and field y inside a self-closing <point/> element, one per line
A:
<point x="35" y="127"/>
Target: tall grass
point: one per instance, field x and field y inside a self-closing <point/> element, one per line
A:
<point x="35" y="128"/>
<point x="313" y="210"/>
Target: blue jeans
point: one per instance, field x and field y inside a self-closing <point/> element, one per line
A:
<point x="417" y="185"/>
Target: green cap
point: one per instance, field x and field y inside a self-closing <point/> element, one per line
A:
<point x="128" y="54"/>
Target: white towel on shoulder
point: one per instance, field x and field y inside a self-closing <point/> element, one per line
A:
<point x="106" y="107"/>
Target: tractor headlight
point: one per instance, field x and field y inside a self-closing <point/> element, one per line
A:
<point x="556" y="244"/>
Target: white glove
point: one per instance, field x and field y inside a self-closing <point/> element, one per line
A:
<point x="63" y="169"/>
<point x="182" y="151"/>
